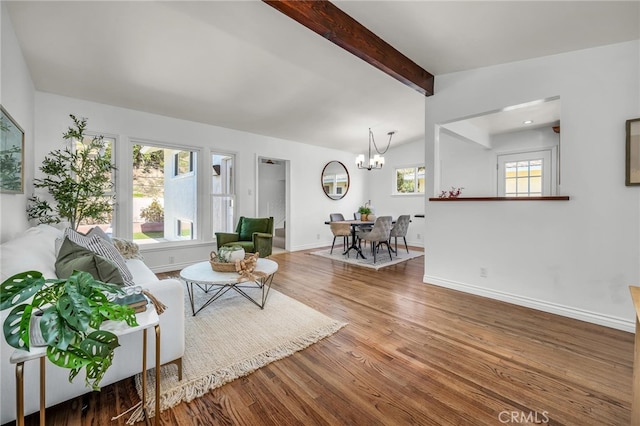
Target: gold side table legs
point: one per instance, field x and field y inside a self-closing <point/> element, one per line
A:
<point x="156" y="417"/>
<point x="147" y="320"/>
<point x="20" y="392"/>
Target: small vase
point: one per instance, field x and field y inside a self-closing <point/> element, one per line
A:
<point x="35" y="335"/>
<point x="236" y="255"/>
<point x="363" y="217"/>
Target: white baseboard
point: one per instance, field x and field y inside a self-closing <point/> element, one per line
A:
<point x="171" y="267"/>
<point x="541" y="305"/>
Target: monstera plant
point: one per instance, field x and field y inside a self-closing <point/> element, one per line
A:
<point x="72" y="311"/>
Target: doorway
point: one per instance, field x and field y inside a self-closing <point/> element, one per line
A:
<point x="272" y="196"/>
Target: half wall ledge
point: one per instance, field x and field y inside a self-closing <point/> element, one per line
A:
<point x="546" y="198"/>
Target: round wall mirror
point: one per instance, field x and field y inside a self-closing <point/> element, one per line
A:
<point x="335" y="180"/>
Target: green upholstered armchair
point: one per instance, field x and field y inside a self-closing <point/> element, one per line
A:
<point x="254" y="234"/>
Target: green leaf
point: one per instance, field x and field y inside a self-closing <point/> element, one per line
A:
<point x="16" y="331"/>
<point x="55" y="331"/>
<point x="19" y="287"/>
<point x="99" y="343"/>
<point x="74" y="308"/>
<point x="49" y="294"/>
<point x="117" y="312"/>
<point x="96" y="371"/>
<point x="72" y="358"/>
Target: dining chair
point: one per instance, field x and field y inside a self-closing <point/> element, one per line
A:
<point x="340" y="229"/>
<point x="399" y="229"/>
<point x="336" y="217"/>
<point x="378" y="235"/>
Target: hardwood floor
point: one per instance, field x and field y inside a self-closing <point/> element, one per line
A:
<point x="412" y="354"/>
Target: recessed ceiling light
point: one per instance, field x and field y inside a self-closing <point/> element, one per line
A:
<point x="527" y="122"/>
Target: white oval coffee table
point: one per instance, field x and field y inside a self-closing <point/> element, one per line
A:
<point x="206" y="279"/>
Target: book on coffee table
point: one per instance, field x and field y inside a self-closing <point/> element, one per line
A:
<point x="136" y="301"/>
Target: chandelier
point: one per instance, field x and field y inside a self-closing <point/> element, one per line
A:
<point x="377" y="161"/>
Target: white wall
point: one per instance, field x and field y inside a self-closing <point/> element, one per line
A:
<point x="467" y="165"/>
<point x="308" y="206"/>
<point x="17" y="97"/>
<point x="579" y="256"/>
<point x="381" y="185"/>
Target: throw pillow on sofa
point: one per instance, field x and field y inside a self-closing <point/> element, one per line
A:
<point x="73" y="257"/>
<point x="104" y="248"/>
<point x="128" y="249"/>
<point x="96" y="230"/>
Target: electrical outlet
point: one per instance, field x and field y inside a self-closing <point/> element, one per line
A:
<point x="318" y="236"/>
<point x="484" y="273"/>
<point x="172" y="259"/>
<point x="419" y="236"/>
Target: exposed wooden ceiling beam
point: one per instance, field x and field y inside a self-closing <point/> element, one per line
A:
<point x="324" y="18"/>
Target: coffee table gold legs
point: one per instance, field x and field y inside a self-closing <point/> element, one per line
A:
<point x="20" y="392"/>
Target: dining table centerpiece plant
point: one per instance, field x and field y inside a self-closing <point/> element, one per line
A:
<point x="71" y="312"/>
<point x="364" y="212"/>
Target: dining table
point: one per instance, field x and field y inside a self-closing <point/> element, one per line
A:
<point x="354" y="225"/>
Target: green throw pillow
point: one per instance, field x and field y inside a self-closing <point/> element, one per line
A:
<point x="73" y="257"/>
<point x="249" y="226"/>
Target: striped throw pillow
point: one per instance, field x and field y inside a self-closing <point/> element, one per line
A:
<point x="102" y="248"/>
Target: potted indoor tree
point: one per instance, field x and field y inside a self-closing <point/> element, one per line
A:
<point x="68" y="314"/>
<point x="78" y="178"/>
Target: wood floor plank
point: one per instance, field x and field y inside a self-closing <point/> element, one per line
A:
<point x="411" y="354"/>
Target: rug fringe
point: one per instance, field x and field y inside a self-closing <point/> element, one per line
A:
<point x="198" y="387"/>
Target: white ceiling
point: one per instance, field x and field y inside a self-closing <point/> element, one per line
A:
<point x="244" y="65"/>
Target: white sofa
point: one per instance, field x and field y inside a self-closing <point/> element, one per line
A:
<point x="34" y="250"/>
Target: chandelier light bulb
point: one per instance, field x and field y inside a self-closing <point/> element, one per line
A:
<point x="377" y="161"/>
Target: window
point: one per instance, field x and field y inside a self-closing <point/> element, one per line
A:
<point x="107" y="150"/>
<point x="523" y="178"/>
<point x="185" y="229"/>
<point x="164" y="194"/>
<point x="183" y="163"/>
<point x="526" y="174"/>
<point x="222" y="192"/>
<point x="409" y="180"/>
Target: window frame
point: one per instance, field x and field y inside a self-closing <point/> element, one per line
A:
<point x="416" y="174"/>
<point x="549" y="169"/>
<point x="230" y="197"/>
<point x="194" y="173"/>
<point x="113" y="192"/>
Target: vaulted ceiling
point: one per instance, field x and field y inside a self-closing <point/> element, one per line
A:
<point x="246" y="66"/>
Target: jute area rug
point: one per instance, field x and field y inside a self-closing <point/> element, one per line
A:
<point x="382" y="257"/>
<point x="231" y="338"/>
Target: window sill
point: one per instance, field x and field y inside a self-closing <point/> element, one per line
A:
<point x="407" y="194"/>
<point x="546" y="198"/>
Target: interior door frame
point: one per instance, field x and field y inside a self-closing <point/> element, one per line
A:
<point x="287" y="194"/>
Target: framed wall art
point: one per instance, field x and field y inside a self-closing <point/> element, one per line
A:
<point x="633" y="152"/>
<point x="11" y="154"/>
